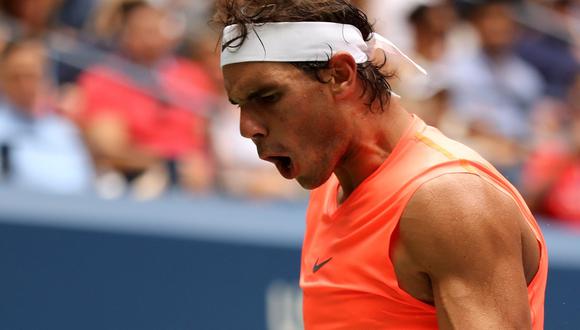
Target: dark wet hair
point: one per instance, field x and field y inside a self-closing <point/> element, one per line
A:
<point x="243" y="12"/>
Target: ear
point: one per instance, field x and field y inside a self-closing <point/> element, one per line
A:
<point x="343" y="71"/>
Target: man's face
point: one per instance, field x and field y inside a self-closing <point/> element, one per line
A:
<point x="496" y="27"/>
<point x="22" y="75"/>
<point x="144" y="37"/>
<point x="292" y="118"/>
<point x="36" y="13"/>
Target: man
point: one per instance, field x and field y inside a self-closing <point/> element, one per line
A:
<point x="406" y="229"/>
<point x="142" y="117"/>
<point x="494" y="91"/>
<point x="41" y="150"/>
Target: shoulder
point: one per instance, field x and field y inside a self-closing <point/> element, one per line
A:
<point x="184" y="66"/>
<point x="458" y="194"/>
<point x="191" y="72"/>
<point x="101" y="77"/>
<point x="526" y="72"/>
<point x="56" y="127"/>
<point x="456" y="215"/>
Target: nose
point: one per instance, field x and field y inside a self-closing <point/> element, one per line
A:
<point x="250" y="127"/>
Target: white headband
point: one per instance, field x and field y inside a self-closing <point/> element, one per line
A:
<point x="307" y="42"/>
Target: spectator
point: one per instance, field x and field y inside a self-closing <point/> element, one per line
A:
<point x="551" y="179"/>
<point x="390" y="19"/>
<point x="427" y="95"/>
<point x="554" y="48"/>
<point x="143" y="111"/>
<point x="50" y="21"/>
<point x="191" y="16"/>
<point x="494" y="90"/>
<point x="29" y="18"/>
<point x="40" y="149"/>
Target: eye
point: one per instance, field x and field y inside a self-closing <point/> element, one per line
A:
<point x="271" y="98"/>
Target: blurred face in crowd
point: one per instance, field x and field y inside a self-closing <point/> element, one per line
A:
<point x="147" y="35"/>
<point x="22" y="75"/>
<point x="437" y="18"/>
<point x="496" y="28"/>
<point x="34" y="13"/>
<point x="292" y="119"/>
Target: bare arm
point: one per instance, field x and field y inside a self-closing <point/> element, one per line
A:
<point x="465" y="236"/>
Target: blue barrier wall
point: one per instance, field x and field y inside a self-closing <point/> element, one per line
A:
<point x="207" y="263"/>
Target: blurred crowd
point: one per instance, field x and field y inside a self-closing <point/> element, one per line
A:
<point x="124" y="98"/>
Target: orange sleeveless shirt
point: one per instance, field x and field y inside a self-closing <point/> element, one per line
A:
<point x="347" y="276"/>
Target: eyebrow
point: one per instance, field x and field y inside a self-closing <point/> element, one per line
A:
<point x="255" y="94"/>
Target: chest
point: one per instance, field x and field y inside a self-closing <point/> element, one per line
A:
<point x="350" y="249"/>
<point x="347" y="269"/>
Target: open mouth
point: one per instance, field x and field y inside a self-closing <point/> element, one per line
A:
<point x="284" y="165"/>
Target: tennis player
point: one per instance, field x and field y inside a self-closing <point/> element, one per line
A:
<point x="406" y="229"/>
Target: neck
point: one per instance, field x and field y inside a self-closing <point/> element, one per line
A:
<point x="142" y="61"/>
<point x="378" y="134"/>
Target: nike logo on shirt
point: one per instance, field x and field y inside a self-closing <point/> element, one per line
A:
<point x="317" y="265"/>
